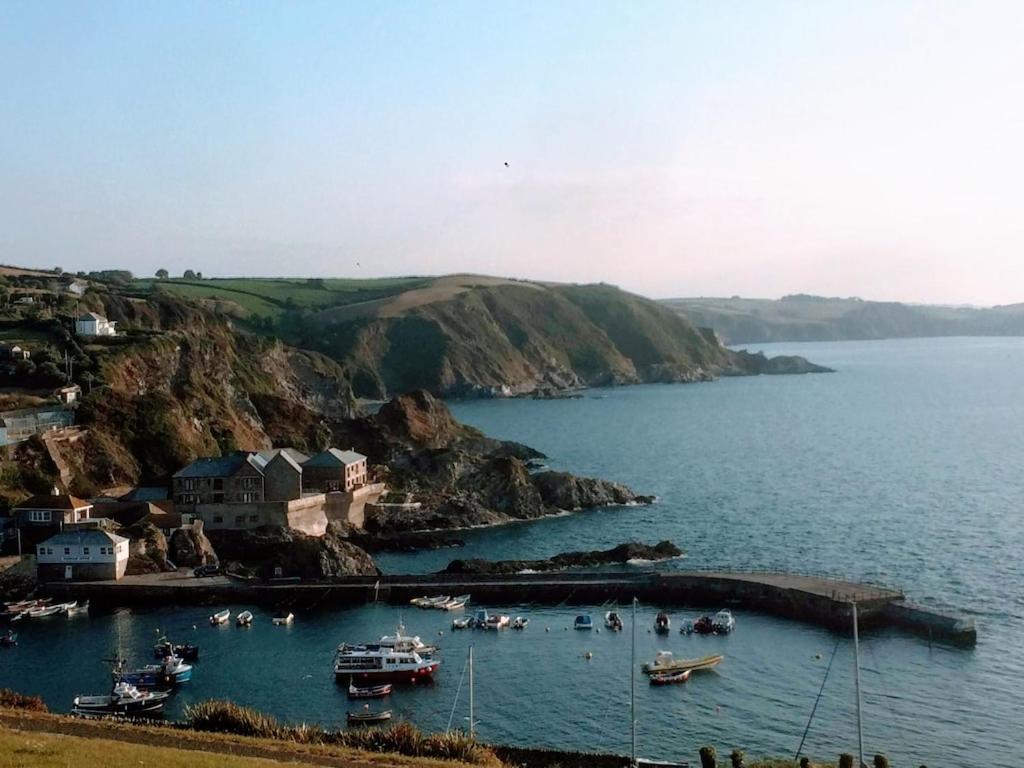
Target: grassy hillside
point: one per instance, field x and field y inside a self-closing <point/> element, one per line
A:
<point x="815" y="318"/>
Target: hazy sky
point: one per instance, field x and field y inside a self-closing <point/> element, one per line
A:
<point x="682" y="148"/>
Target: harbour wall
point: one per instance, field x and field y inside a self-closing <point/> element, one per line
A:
<point x="822" y="601"/>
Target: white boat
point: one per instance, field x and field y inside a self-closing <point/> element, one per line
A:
<point x="613" y="621"/>
<point x="244" y="619"/>
<point x="406" y="643"/>
<point x="662" y="623"/>
<point x="79" y="610"/>
<point x="45" y="610"/>
<point x="520" y="622"/>
<point x="377" y="663"/>
<point x="664" y="661"/>
<point x="496" y="621"/>
<point x="462" y="623"/>
<point x="583" y="621"/>
<point x="283" y="621"/>
<point x="724" y="623"/>
<point x="221" y="617"/>
<point x="430" y="602"/>
<point x="456" y="603"/>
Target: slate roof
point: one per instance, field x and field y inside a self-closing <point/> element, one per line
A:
<point x="91" y="316"/>
<point x="294" y="457"/>
<point x="333" y="457"/>
<point x="80" y="536"/>
<point x="221" y="466"/>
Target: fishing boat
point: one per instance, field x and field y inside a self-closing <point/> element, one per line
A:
<point x="497" y="621"/>
<point x="430" y="602"/>
<point x="244" y="619"/>
<point x="369" y="692"/>
<point x="462" y="623"/>
<point x="368" y="718"/>
<point x="456" y="603"/>
<point x="480" y="618"/>
<point x="44" y="611"/>
<point x="520" y="622"/>
<point x="583" y="621"/>
<point x="686" y="627"/>
<point x="221" y="617"/>
<point x="671" y="678"/>
<point x="81" y="609"/>
<point x="613" y="621"/>
<point x="165" y="648"/>
<point x="9" y="639"/>
<point x="705" y="625"/>
<point x="662" y="623"/>
<point x="125" y="700"/>
<point x="380" y="664"/>
<point x="665" y="662"/>
<point x="170" y="672"/>
<point x="283" y="621"/>
<point x="724" y="623"/>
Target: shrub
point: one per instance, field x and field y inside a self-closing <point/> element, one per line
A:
<point x="846" y="760"/>
<point x="736" y="758"/>
<point x="881" y="761"/>
<point x="707" y="757"/>
<point x="14" y="700"/>
<point x="805" y="762"/>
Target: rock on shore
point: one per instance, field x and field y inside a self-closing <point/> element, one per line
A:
<point x="189" y="547"/>
<point x="624" y="553"/>
<point x="264" y="550"/>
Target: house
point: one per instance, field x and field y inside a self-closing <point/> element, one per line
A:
<point x="280" y="487"/>
<point x="91" y="324"/>
<point x="334" y="470"/>
<point x="128" y="513"/>
<point x="51" y="511"/>
<point x="82" y="553"/>
<point x="24" y="300"/>
<point x="68" y="395"/>
<point x="14" y="353"/>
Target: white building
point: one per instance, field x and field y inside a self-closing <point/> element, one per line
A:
<point x="82" y="554"/>
<point x="91" y="324"/>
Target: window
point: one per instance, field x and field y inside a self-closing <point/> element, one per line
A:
<point x="85" y="550"/>
<point x="40" y="516"/>
<point x="218" y="498"/>
<point x="218" y="519"/>
<point x="218" y="484"/>
<point x="189" y="484"/>
<point x="49" y="550"/>
<point x="250" y="497"/>
<point x="67" y="550"/>
<point x="254" y="518"/>
<point x="239" y="519"/>
<point x="42" y="550"/>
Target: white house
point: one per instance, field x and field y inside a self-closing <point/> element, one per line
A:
<point x="82" y="554"/>
<point x="76" y="287"/>
<point x="91" y="324"/>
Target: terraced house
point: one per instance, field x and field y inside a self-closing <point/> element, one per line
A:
<point x="279" y="487"/>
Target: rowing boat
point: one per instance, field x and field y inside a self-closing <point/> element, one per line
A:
<point x="664" y="662"/>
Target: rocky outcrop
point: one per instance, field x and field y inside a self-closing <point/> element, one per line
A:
<point x="147" y="549"/>
<point x="568" y="492"/>
<point x="189" y="547"/>
<point x="624" y="553"/>
<point x="757" y="363"/>
<point x="285" y="552"/>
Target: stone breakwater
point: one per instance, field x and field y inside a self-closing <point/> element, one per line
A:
<point x="818" y="600"/>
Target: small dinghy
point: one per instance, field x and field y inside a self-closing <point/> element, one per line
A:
<point x="221" y="617"/>
<point x="583" y="621"/>
<point x="165" y="648"/>
<point x="704" y="625"/>
<point x="671" y="678"/>
<point x="80" y="609"/>
<point x="463" y="623"/>
<point x="44" y="611"/>
<point x="368" y="718"/>
<point x="9" y="639"/>
<point x="283" y="621"/>
<point x="368" y="692"/>
<point x="665" y="662"/>
<point x="723" y="623"/>
<point x="497" y="621"/>
<point x="125" y="700"/>
<point x="662" y="623"/>
<point x="520" y="622"/>
<point x="244" y="619"/>
<point x="456" y="603"/>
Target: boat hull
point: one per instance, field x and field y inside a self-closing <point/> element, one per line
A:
<point x="374" y="677"/>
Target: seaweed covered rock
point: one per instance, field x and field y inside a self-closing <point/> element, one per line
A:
<point x="189" y="547"/>
<point x="147" y="549"/>
<point x="631" y="551"/>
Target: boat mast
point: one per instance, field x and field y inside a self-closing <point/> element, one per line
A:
<point x="472" y="725"/>
<point x="856" y="678"/>
<point x="632" y="688"/>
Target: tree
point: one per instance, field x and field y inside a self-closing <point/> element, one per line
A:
<point x="189" y="274"/>
<point x="49" y="375"/>
<point x="58" y="270"/>
<point x="162" y="273"/>
<point x="199" y="275"/>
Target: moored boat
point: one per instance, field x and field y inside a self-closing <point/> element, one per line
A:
<point x="380" y="664"/>
<point x="455" y="604"/>
<point x="497" y="621"/>
<point x="165" y="648"/>
<point x="583" y="621"/>
<point x="704" y="625"/>
<point x="662" y="623"/>
<point x="43" y="611"/>
<point x="80" y="609"/>
<point x="520" y="622"/>
<point x="613" y="621"/>
<point x="125" y="700"/>
<point x="368" y="718"/>
<point x="403" y="642"/>
<point x="244" y="619"/>
<point x="221" y="617"/>
<point x="723" y="623"/>
<point x="430" y="602"/>
<point x="9" y="639"/>
<point x="671" y="678"/>
<point x="368" y="692"/>
<point x="665" y="662"/>
<point x="169" y="673"/>
<point x="462" y="623"/>
<point x="283" y="620"/>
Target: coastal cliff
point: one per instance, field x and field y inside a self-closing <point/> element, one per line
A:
<point x="631" y="551"/>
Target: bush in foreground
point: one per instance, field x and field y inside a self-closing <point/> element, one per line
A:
<point x="401" y="738"/>
<point x="14" y="700"/>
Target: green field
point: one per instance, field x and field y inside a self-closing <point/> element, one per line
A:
<point x="269" y="297"/>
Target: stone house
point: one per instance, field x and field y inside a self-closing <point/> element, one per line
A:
<point x="92" y="324"/>
<point x="51" y="511"/>
<point x="334" y="470"/>
<point x="82" y="554"/>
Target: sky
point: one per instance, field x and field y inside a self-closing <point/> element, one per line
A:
<point x="871" y="149"/>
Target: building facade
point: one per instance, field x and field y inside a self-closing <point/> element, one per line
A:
<point x="82" y="553"/>
<point x="91" y="324"/>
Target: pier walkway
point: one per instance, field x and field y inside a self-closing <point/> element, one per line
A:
<point x="804" y="597"/>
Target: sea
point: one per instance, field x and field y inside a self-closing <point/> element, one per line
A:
<point x="905" y="466"/>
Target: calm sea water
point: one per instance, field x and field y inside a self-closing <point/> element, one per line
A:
<point x="904" y="466"/>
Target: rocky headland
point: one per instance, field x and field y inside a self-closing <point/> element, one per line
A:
<point x="632" y="551"/>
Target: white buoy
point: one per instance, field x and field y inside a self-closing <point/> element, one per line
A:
<point x="588" y="655"/>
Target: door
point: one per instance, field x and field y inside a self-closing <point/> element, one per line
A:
<point x="67" y="571"/>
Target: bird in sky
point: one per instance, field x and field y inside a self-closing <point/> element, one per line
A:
<point x="506" y="165"/>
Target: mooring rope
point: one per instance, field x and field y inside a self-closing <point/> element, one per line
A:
<point x="815" y="707"/>
<point x="456" y="702"/>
